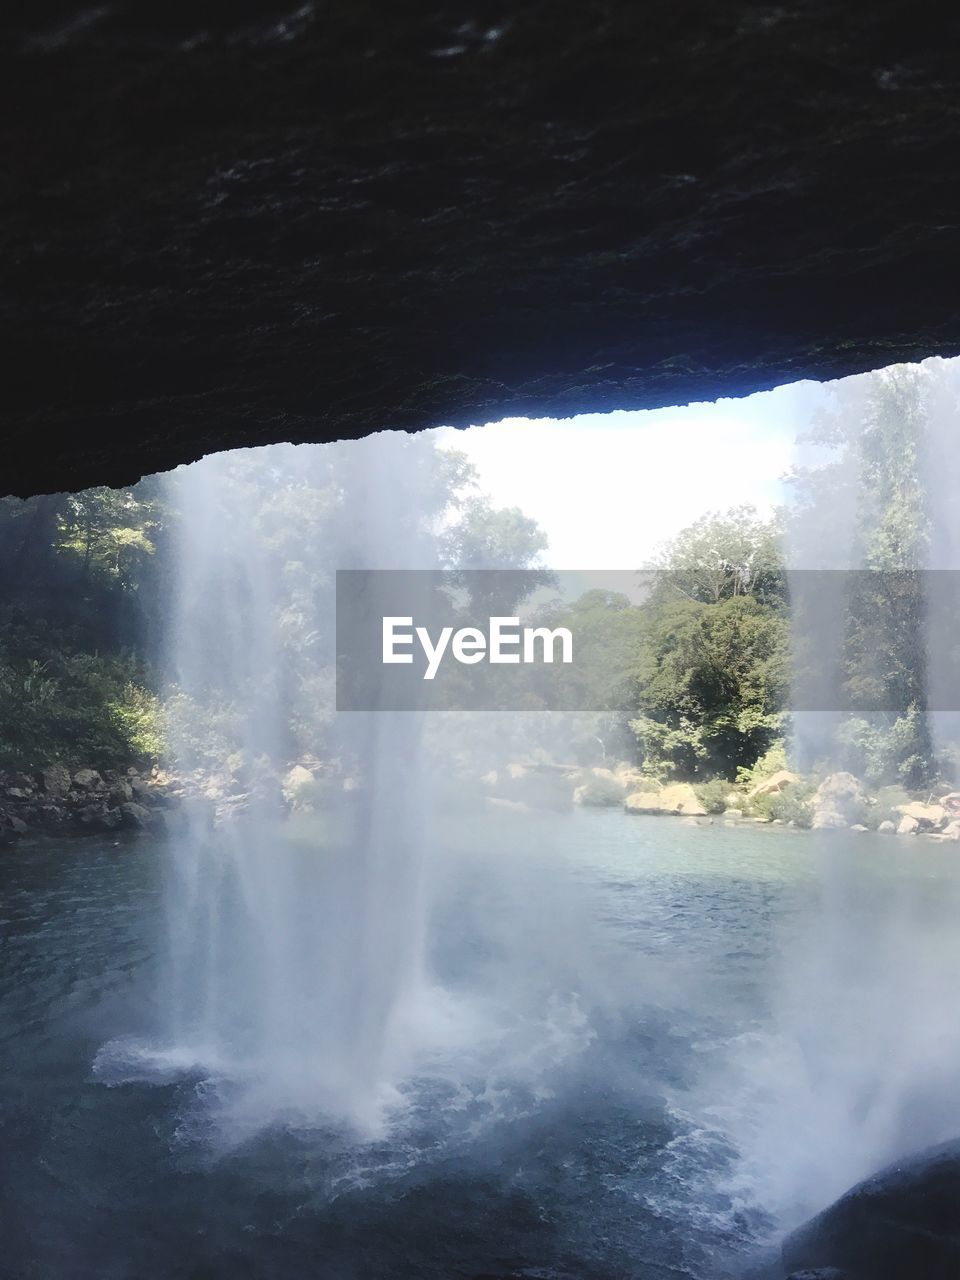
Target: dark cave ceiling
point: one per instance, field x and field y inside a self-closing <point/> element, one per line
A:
<point x="225" y="225"/>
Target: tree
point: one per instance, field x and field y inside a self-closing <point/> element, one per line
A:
<point x="723" y="555"/>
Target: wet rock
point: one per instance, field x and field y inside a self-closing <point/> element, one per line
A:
<point x="858" y="826"/>
<point x="886" y="827"/>
<point x="902" y="1223"/>
<point x="908" y="827"/>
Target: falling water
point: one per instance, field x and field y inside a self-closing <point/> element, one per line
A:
<point x="296" y="958"/>
<point x="856" y="1065"/>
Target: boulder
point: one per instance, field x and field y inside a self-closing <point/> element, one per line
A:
<point x="839" y="801"/>
<point x="733" y="813"/>
<point x="55" y="780"/>
<point x="908" y="827"/>
<point x="774" y="784"/>
<point x="828" y="820"/>
<point x="886" y="827"/>
<point x="134" y="815"/>
<point x="679" y="797"/>
<point x="295" y="778"/>
<point x="952" y="830"/>
<point x="928" y="816"/>
<point x="87" y="779"/>
<point x="858" y="826"/>
<point x="902" y="1223"/>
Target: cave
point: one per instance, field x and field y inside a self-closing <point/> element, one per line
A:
<point x="326" y="322"/>
<point x="234" y="224"/>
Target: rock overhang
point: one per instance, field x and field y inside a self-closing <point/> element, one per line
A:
<point x="227" y="225"/>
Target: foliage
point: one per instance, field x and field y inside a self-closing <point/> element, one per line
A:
<point x="882" y="749"/>
<point x="713" y="794"/>
<point x="773" y="760"/>
<point x="60" y="705"/>
<point x="792" y="804"/>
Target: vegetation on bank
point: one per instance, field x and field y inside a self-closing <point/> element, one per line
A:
<point x="694" y="683"/>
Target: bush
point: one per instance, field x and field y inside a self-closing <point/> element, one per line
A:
<point x="792" y="804"/>
<point x="713" y="794"/>
<point x="767" y="765"/>
<point x="60" y="706"/>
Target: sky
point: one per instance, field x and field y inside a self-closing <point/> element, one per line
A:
<point x="607" y="488"/>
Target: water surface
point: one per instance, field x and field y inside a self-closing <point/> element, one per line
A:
<point x="649" y="1048"/>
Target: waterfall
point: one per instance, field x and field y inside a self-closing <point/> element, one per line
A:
<point x="295" y="955"/>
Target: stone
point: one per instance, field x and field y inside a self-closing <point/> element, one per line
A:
<point x="733" y="813"/>
<point x="17" y="825"/>
<point x="952" y="830"/>
<point x="87" y="779"/>
<point x="828" y="820"/>
<point x="55" y="780"/>
<point x="908" y="826"/>
<point x="774" y="784"/>
<point x="679" y="797"/>
<point x="928" y="816"/>
<point x="490" y="197"/>
<point x="134" y="815"/>
<point x="120" y="793"/>
<point x="16" y="793"/>
<point x="839" y="801"/>
<point x="886" y="827"/>
<point x="902" y="1223"/>
<point x="858" y="826"/>
<point x="295" y="778"/>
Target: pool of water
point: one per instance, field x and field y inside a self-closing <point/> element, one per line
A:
<point x="661" y="1046"/>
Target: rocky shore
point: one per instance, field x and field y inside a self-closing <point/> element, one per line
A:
<point x="836" y="802"/>
<point x="55" y="801"/>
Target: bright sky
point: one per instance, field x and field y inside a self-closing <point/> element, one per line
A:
<point x="608" y="487"/>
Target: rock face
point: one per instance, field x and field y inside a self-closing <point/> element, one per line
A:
<point x="229" y="224"/>
<point x="838" y="803"/>
<point x="901" y="1224"/>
